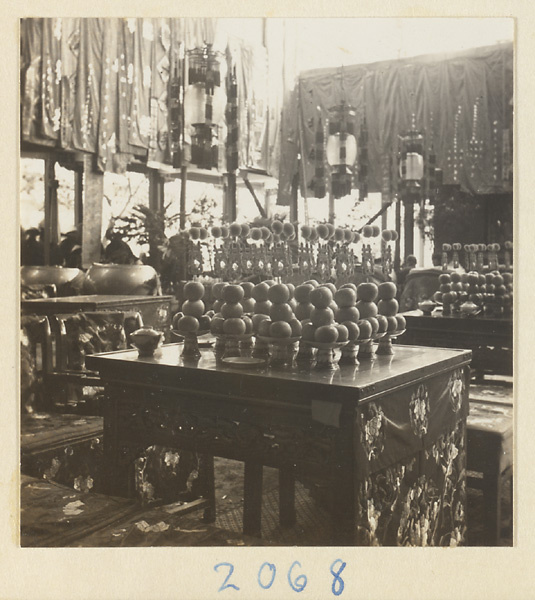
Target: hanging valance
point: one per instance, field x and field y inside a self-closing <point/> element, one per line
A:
<point x="108" y="86"/>
<point x="463" y="103"/>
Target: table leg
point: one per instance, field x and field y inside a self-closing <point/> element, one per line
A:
<point x="344" y="509"/>
<point x="287" y="516"/>
<point x="209" y="488"/>
<point x="252" y="498"/>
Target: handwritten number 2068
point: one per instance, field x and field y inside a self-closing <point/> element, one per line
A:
<point x="298" y="582"/>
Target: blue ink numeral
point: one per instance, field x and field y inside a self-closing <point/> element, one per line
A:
<point x="300" y="582"/>
<point x="230" y="571"/>
<point x="337" y="589"/>
<point x="273" y="570"/>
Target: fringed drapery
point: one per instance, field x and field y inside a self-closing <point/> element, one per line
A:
<point x="463" y="104"/>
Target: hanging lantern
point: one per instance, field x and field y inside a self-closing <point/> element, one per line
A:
<point x="341" y="148"/>
<point x="411" y="164"/>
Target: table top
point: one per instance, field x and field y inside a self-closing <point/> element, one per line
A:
<point x="369" y="378"/>
<point x="480" y="323"/>
<point x="91" y="299"/>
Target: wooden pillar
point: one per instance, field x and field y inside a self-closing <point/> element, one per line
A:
<point x="93" y="191"/>
<point x="397" y="250"/>
<point x="78" y="196"/>
<point x="156" y="190"/>
<point x="408" y="226"/>
<point x="229" y="199"/>
<point x="332" y="214"/>
<point x="294" y="201"/>
<point x="51" y="233"/>
<point x="183" y="182"/>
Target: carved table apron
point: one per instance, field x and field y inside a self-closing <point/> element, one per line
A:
<point x="387" y="435"/>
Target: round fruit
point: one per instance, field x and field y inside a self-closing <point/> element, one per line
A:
<point x="204" y="323"/>
<point x="457" y="286"/>
<point x="257" y="319"/>
<point x="507" y="278"/>
<point x="266" y="233"/>
<point x="256" y="234"/>
<point x="402" y="322"/>
<point x="387" y="290"/>
<point x="464" y="277"/>
<point x="338" y="234"/>
<point x="313" y="235"/>
<point x="326" y="334"/>
<point x="308" y="332"/>
<point x="349" y="285"/>
<point x="297" y="328"/>
<point x="280" y="329"/>
<point x="367" y="291"/>
<point x="188" y="324"/>
<point x="176" y="319"/>
<point x="193" y="308"/>
<point x="216" y="231"/>
<point x="217" y="288"/>
<point x="312" y="282"/>
<point x="303" y="310"/>
<point x="288" y="228"/>
<point x="302" y="292"/>
<point x="278" y="293"/>
<point x="305" y="231"/>
<point x="444" y="278"/>
<point x="291" y="289"/>
<point x="232" y="310"/>
<point x="260" y="292"/>
<point x="235" y="229"/>
<point x="322" y="231"/>
<point x="264" y="328"/>
<point x="392" y="324"/>
<point x="445" y="287"/>
<point x="482" y="279"/>
<point x="216" y="326"/>
<point x="343" y="333"/>
<point x="277" y="227"/>
<point x="321" y="316"/>
<point x="367" y="231"/>
<point x="345" y="297"/>
<point x="383" y="323"/>
<point x="245" y="229"/>
<point x="270" y="282"/>
<point x="194" y="233"/>
<point x="374" y="323"/>
<point x="262" y="307"/>
<point x="234" y="326"/>
<point x="497" y="280"/>
<point x="217" y="305"/>
<point x="281" y="312"/>
<point x="365" y="330"/>
<point x="347" y="313"/>
<point x="500" y="290"/>
<point x="333" y="306"/>
<point x="352" y="329"/>
<point x="367" y="309"/>
<point x="473" y="277"/>
<point x="232" y="293"/>
<point x="331" y="286"/>
<point x="248" y="305"/>
<point x="388" y="308"/>
<point x="193" y="290"/>
<point x="224" y="232"/>
<point x="455" y="277"/>
<point x="248" y="287"/>
<point x="321" y="297"/>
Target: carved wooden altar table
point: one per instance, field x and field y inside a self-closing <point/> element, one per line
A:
<point x="388" y="435"/>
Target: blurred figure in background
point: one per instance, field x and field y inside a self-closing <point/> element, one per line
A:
<point x="118" y="251"/>
<point x="409" y="263"/>
<point x="32" y="248"/>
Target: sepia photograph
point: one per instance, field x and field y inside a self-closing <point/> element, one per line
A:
<point x="266" y="288"/>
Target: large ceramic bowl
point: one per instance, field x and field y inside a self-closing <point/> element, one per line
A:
<point x="67" y="281"/>
<point x="129" y="280"/>
<point x="146" y="340"/>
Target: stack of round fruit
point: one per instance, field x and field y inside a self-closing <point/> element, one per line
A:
<point x="497" y="293"/>
<point x="387" y="308"/>
<point x="281" y="324"/>
<point x="303" y="306"/>
<point x="247" y="301"/>
<point x="347" y="314"/>
<point x="445" y="293"/>
<point x="191" y="319"/>
<point x="320" y="327"/>
<point x="368" y="324"/>
<point x="231" y="320"/>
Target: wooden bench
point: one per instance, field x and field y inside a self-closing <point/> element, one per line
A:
<point x="53" y="515"/>
<point x="490" y="451"/>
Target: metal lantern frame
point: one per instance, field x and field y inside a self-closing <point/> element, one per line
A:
<point x="342" y="150"/>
